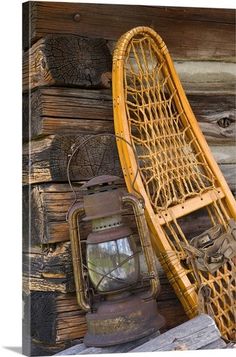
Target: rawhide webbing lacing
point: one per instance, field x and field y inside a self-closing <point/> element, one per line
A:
<point x="213" y="248"/>
<point x="171" y="166"/>
<point x="211" y="254"/>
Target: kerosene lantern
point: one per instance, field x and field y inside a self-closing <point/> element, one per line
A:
<point x="115" y="272"/>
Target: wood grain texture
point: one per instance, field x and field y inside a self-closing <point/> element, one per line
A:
<point x="188" y="32"/>
<point x="67" y="60"/>
<point x="64" y="111"/>
<point x="55" y="318"/>
<point x="46" y="159"/>
<point x="49" y="205"/>
<point x="191" y="335"/>
<point x="48" y="268"/>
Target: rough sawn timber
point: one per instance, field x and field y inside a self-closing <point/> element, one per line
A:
<point x="193" y="33"/>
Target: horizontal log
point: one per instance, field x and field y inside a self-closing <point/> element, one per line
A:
<point x="196" y="33"/>
<point x="46" y="159"/>
<point x="49" y="203"/>
<point x="67" y="60"/>
<point x="198" y="77"/>
<point x="48" y="268"/>
<point x="64" y="111"/>
<point x="216" y="115"/>
<point x="86" y="63"/>
<point x="44" y="213"/>
<point x="67" y="111"/>
<point x="48" y="323"/>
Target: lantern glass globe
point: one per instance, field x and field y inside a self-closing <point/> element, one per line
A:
<point x="113" y="265"/>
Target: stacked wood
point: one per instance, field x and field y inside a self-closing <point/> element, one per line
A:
<point x="65" y="111"/>
<point x="67" y="99"/>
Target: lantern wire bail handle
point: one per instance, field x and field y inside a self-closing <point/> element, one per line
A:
<point x="74" y="151"/>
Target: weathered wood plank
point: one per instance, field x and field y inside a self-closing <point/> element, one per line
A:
<point x="191" y="335"/>
<point x="67" y="111"/>
<point x="48" y="268"/>
<point x="217" y="344"/>
<point x="64" y="111"/>
<point x="188" y="33"/>
<point x="217" y="117"/>
<point x="46" y="159"/>
<point x="74" y="350"/>
<point x="50" y="324"/>
<point x="198" y="77"/>
<point x="67" y="60"/>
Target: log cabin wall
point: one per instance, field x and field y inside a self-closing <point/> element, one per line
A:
<point x="67" y="65"/>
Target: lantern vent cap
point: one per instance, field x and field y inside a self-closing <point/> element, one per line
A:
<point x="104" y="180"/>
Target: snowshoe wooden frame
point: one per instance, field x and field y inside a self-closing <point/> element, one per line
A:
<point x="172" y="168"/>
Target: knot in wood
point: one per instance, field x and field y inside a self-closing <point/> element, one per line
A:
<point x="77" y="17"/>
<point x="224" y="122"/>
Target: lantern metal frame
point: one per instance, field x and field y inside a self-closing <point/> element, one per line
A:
<point x="143" y="319"/>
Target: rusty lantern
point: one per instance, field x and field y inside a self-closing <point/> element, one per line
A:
<point x="115" y="272"/>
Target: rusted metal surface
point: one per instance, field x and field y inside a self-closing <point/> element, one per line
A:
<point x="102" y="197"/>
<point x="108" y="235"/>
<point x="118" y="321"/>
<point x="120" y="313"/>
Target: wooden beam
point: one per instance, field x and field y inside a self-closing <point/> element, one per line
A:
<point x="46" y="159"/>
<point x="191" y="335"/>
<point x="67" y="60"/>
<point x="66" y="111"/>
<point x="188" y="32"/>
<point x="49" y="204"/>
<point x="48" y="268"/>
<point x="207" y="77"/>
